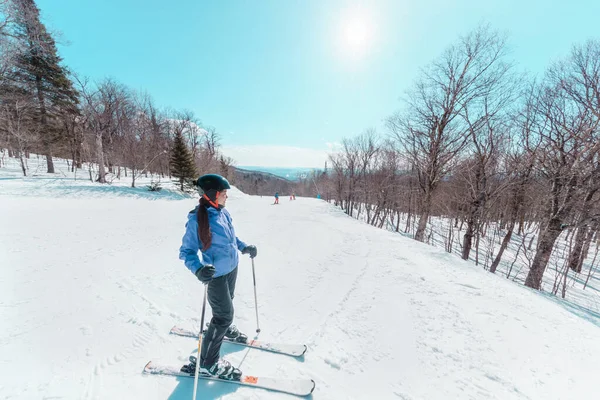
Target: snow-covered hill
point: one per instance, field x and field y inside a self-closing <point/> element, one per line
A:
<point x="90" y="286"/>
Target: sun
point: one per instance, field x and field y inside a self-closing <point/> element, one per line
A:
<point x="356" y="34"/>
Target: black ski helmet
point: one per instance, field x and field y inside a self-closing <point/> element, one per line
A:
<point x="209" y="182"/>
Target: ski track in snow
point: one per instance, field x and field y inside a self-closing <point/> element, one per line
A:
<point x="384" y="317"/>
<point x="141" y="338"/>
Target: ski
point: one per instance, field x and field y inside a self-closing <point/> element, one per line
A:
<point x="298" y="387"/>
<point x="295" y="350"/>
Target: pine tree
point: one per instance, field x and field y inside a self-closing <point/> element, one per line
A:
<point x="182" y="163"/>
<point x="224" y="166"/>
<point x="38" y="70"/>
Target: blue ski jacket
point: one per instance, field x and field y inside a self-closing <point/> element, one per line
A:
<point x="223" y="252"/>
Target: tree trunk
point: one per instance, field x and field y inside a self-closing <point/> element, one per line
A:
<point x="409" y="215"/>
<point x="587" y="242"/>
<point x="503" y="247"/>
<point x="423" y="218"/>
<point x="477" y="246"/>
<point x="100" y="157"/>
<point x="79" y="157"/>
<point x="521" y="224"/>
<point x="584" y="233"/>
<point x="49" y="162"/>
<point x="542" y="255"/>
<point x="468" y="239"/>
<point x="576" y="256"/>
<point x="450" y="239"/>
<point x="591" y="268"/>
<point x="44" y="123"/>
<point x="22" y="163"/>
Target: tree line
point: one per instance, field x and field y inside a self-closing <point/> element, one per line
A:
<point x="47" y="109"/>
<point x="487" y="147"/>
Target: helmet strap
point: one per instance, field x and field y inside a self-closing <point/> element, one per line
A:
<point x="214" y="203"/>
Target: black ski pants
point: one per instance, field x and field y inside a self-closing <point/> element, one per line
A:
<point x="220" y="298"/>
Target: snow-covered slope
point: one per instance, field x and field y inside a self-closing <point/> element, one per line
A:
<point x="90" y="286"/>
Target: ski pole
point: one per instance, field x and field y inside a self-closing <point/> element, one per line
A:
<point x="255" y="301"/>
<point x="200" y="342"/>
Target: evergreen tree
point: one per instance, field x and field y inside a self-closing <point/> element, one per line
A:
<point x="182" y="163"/>
<point x="224" y="166"/>
<point x="37" y="69"/>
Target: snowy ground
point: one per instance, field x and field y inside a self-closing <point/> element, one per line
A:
<point x="518" y="257"/>
<point x="91" y="285"/>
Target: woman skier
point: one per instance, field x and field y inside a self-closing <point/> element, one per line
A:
<point x="209" y="230"/>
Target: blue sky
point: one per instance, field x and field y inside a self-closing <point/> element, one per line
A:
<point x="284" y="80"/>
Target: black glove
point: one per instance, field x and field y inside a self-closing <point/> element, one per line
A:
<point x="250" y="250"/>
<point x="205" y="274"/>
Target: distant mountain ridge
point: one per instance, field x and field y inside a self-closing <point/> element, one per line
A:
<point x="266" y="181"/>
<point x="291" y="174"/>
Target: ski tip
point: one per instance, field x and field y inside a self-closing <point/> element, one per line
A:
<point x="305" y="348"/>
<point x="147" y="366"/>
<point x="314" y="385"/>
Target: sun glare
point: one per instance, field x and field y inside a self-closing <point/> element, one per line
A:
<point x="356" y="34"/>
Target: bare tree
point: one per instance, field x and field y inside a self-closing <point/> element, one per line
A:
<point x="207" y="155"/>
<point x="431" y="131"/>
<point x="367" y="150"/>
<point x="568" y="132"/>
<point x="350" y="155"/>
<point x="17" y="120"/>
<point x="488" y="131"/>
<point x="519" y="163"/>
<point x="102" y="114"/>
<point x="582" y="85"/>
<point x="586" y="217"/>
<point x="338" y="179"/>
<point x="212" y="141"/>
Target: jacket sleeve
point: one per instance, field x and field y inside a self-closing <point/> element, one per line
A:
<point x="190" y="245"/>
<point x="240" y="245"/>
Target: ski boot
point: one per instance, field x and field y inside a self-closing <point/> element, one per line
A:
<point x="191" y="367"/>
<point x="234" y="333"/>
<point x="222" y="369"/>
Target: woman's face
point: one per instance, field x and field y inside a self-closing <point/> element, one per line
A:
<point x="222" y="198"/>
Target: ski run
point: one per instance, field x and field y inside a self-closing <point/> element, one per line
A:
<point x="91" y="286"/>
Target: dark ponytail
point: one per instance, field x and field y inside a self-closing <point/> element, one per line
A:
<point x="203" y="225"/>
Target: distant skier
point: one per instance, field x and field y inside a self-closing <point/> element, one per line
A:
<point x="209" y="230"/>
<point x="276" y="198"/>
